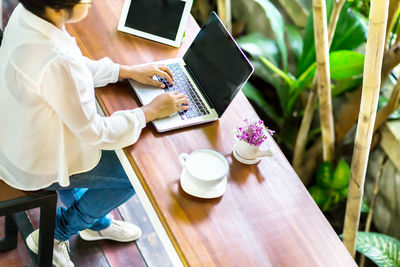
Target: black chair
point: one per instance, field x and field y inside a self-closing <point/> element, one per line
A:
<point x="13" y="205"/>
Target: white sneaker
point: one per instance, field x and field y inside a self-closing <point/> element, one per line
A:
<point x="60" y="251"/>
<point x="118" y="231"/>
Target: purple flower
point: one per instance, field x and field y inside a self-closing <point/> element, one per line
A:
<point x="253" y="132"/>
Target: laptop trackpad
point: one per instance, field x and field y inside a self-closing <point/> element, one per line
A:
<point x="148" y="94"/>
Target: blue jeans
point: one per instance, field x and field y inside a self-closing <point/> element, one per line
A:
<point x="91" y="196"/>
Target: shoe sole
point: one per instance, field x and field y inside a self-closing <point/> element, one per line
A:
<point x="32" y="245"/>
<point x="86" y="237"/>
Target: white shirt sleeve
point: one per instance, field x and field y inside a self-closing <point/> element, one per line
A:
<point x="68" y="89"/>
<point x="104" y="71"/>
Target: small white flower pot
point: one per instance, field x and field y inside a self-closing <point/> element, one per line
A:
<point x="250" y="154"/>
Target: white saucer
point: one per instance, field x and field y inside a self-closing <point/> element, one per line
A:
<point x="192" y="188"/>
<point x="242" y="160"/>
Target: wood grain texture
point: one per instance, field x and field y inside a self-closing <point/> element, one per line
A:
<point x="149" y="243"/>
<point x="82" y="253"/>
<point x="7" y="192"/>
<point x="17" y="257"/>
<point x="266" y="216"/>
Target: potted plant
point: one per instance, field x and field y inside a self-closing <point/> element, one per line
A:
<point x="249" y="138"/>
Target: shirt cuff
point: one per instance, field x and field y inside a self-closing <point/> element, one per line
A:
<point x="114" y="72"/>
<point x="141" y="118"/>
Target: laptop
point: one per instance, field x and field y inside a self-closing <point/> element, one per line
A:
<point x="163" y="21"/>
<point x="210" y="74"/>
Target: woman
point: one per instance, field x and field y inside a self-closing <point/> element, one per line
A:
<point x="51" y="136"/>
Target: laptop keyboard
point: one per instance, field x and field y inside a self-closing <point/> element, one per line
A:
<point x="183" y="85"/>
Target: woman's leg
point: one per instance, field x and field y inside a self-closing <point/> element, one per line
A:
<point x="107" y="188"/>
<point x="68" y="196"/>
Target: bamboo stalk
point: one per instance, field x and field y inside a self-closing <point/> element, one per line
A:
<point x="389" y="108"/>
<point x="391" y="58"/>
<point x="204" y="9"/>
<point x="372" y="204"/>
<point x="302" y="134"/>
<point x="398" y="35"/>
<point x="309" y="164"/>
<point x="392" y="15"/>
<point x="296" y="11"/>
<point x="324" y="79"/>
<point x="301" y="138"/>
<point x="366" y="119"/>
<point x="225" y="12"/>
<point x="334" y="19"/>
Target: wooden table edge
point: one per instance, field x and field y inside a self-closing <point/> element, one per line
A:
<point x="148" y="192"/>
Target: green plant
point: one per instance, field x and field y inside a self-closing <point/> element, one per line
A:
<point x="361" y="6"/>
<point x="383" y="250"/>
<point x="331" y="186"/>
<point x="270" y="60"/>
<point x="383" y="101"/>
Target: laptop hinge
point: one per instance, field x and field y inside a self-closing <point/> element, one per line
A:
<point x="200" y="86"/>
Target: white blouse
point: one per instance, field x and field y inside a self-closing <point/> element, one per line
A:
<point x="49" y="126"/>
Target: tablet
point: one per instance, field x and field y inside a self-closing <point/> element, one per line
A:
<point x="162" y="21"/>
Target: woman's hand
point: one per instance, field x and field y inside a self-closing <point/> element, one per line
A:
<point x="164" y="105"/>
<point x="144" y="74"/>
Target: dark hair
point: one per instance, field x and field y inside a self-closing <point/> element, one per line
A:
<point x="38" y="7"/>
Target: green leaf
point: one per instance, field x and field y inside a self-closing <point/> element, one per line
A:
<point x="345" y="85"/>
<point x="344" y="192"/>
<point x="277" y="26"/>
<point x="308" y="54"/>
<point x="258" y="46"/>
<point x="318" y="194"/>
<point x="306" y="77"/>
<point x="345" y="63"/>
<point x="283" y="91"/>
<point x="288" y="79"/>
<point x="266" y="74"/>
<point x="272" y="78"/>
<point x="254" y="94"/>
<point x="364" y="207"/>
<point x="350" y="33"/>
<point x="295" y="40"/>
<point x="335" y="197"/>
<point x="314" y="132"/>
<point x="383" y="250"/>
<point x="341" y="176"/>
<point x="324" y="175"/>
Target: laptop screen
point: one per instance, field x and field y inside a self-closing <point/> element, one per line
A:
<point x="157" y="17"/>
<point x="218" y="64"/>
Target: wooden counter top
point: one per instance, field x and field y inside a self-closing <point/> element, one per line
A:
<point x="266" y="216"/>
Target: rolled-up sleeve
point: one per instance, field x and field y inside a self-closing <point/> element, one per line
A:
<point x="68" y="89"/>
<point x="103" y="71"/>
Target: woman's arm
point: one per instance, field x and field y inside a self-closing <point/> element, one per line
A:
<point x="66" y="88"/>
<point x="103" y="71"/>
<point x="144" y="74"/>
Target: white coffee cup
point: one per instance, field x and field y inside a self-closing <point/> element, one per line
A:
<point x="203" y="173"/>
